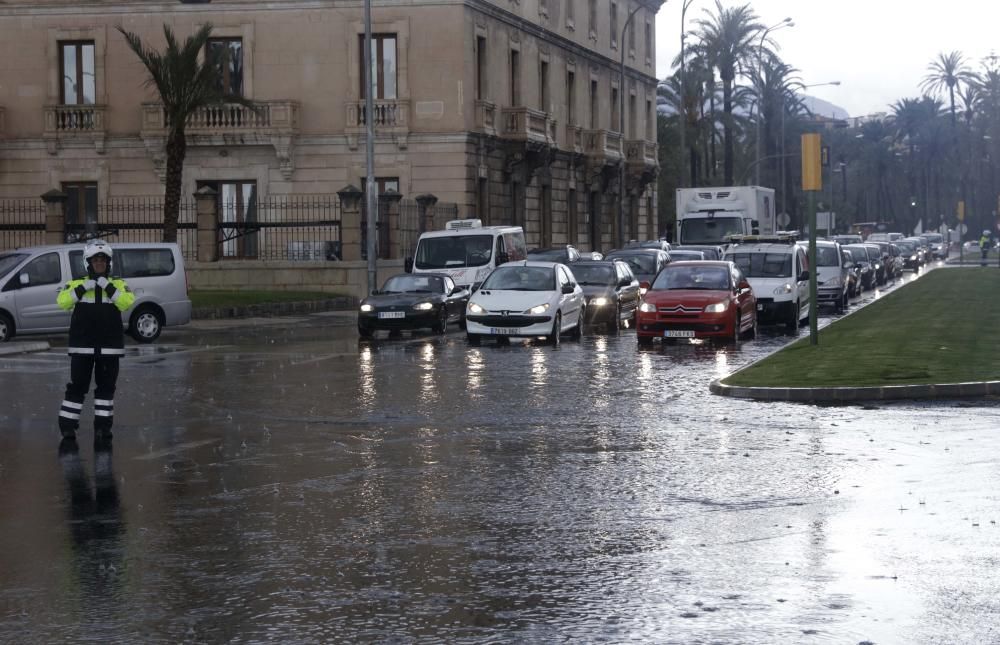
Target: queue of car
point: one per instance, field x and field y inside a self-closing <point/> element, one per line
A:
<point x="664" y="292"/>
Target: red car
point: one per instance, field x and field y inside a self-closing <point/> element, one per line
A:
<point x="698" y="299"/>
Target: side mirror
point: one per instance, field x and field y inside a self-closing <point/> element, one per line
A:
<point x="24" y="279"/>
<point x="568" y="288"/>
<point x="744" y="285"/>
<point x="804" y="275"/>
<point x="644" y="285"/>
<point x="502" y="258"/>
<point x="376" y="292"/>
<point x="408" y="265"/>
<point x="457" y="290"/>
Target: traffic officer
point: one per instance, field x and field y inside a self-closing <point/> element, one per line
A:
<point x="96" y="340"/>
<point x="984" y="246"/>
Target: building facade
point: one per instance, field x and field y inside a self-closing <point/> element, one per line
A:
<point x="508" y="108"/>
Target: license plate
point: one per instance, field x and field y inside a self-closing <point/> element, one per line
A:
<point x="760" y="307"/>
<point x="503" y="331"/>
<point x="678" y="333"/>
<point x="392" y="314"/>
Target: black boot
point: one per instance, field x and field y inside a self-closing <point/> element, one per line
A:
<point x="102" y="439"/>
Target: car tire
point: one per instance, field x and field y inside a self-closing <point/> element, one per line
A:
<point x="577" y="332"/>
<point x="461" y="322"/>
<point x="792" y="324"/>
<point x="365" y="332"/>
<point x="146" y="324"/>
<point x="441" y="326"/>
<point x="752" y="332"/>
<point x="615" y="323"/>
<point x="644" y="341"/>
<point x="473" y="339"/>
<point x="737" y="335"/>
<point x="556" y="329"/>
<point x="6" y="327"/>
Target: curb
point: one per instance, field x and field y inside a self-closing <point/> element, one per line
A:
<point x="22" y="347"/>
<point x="272" y="309"/>
<point x="855" y="394"/>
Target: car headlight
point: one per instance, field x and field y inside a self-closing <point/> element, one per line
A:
<point x="783" y="289"/>
<point x="833" y="282"/>
<point x="424" y="306"/>
<point x="914" y="257"/>
<point x="878" y="266"/>
<point x="647" y="307"/>
<point x="539" y="309"/>
<point x="717" y="308"/>
<point x="475" y="308"/>
<point x="367" y="307"/>
<point x="599" y="302"/>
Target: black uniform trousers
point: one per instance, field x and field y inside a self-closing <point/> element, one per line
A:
<point x="105" y="371"/>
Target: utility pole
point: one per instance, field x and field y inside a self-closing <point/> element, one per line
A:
<point x="812" y="182"/>
<point x="621" y="130"/>
<point x="371" y="196"/>
<point x="686" y="178"/>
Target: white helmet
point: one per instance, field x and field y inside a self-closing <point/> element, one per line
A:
<point x="97" y="247"/>
<point x="986" y="232"/>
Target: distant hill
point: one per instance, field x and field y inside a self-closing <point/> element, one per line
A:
<point x="815" y="105"/>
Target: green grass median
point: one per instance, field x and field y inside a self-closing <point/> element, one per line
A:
<point x="941" y="328"/>
<point x="233" y="298"/>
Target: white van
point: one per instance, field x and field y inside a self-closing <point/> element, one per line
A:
<point x="31" y="278"/>
<point x="467" y="251"/>
<point x="778" y="272"/>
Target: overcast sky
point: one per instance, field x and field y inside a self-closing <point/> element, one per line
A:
<point x="878" y="49"/>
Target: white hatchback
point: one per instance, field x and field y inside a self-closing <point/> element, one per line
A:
<point x="526" y="299"/>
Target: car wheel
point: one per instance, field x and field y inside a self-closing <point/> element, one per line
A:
<point x="461" y="321"/>
<point x="792" y="324"/>
<point x="577" y="332"/>
<point x="556" y="329"/>
<point x="845" y="303"/>
<point x="473" y="338"/>
<point x="752" y="332"/>
<point x="736" y="328"/>
<point x="365" y="332"/>
<point x="644" y="341"/>
<point x="441" y="326"/>
<point x="146" y="324"/>
<point x="616" y="321"/>
<point x="6" y="327"/>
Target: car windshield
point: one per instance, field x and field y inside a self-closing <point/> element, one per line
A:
<point x="827" y="256"/>
<point x="548" y="255"/>
<point x="709" y="231"/>
<point x="763" y="265"/>
<point x="594" y="274"/>
<point x="640" y="263"/>
<point x="874" y="253"/>
<point x="453" y="251"/>
<point x="859" y="255"/>
<point x="710" y="278"/>
<point x="906" y="247"/>
<point x="520" y="278"/>
<point x="10" y="260"/>
<point x="686" y="255"/>
<point x="934" y="239"/>
<point x="413" y="284"/>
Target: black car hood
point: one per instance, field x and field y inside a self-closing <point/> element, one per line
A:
<point x="402" y="299"/>
<point x="594" y="290"/>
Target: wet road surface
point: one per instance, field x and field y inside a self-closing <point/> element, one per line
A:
<point x="282" y="483"/>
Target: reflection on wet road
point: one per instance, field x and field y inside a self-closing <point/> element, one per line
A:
<point x="289" y="484"/>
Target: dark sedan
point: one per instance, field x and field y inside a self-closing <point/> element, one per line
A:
<point x="711" y="252"/>
<point x="413" y="301"/>
<point x="562" y="254"/>
<point x="863" y="262"/>
<point x="645" y="263"/>
<point x="611" y="290"/>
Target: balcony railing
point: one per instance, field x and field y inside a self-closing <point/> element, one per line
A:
<point x="265" y="118"/>
<point x="527" y="125"/>
<point x="640" y="153"/>
<point x="603" y="144"/>
<point x="389" y="114"/>
<point x="75" y="119"/>
<point x="486" y="117"/>
<point x="574" y="138"/>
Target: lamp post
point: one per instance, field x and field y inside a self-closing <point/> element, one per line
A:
<point x="371" y="198"/>
<point x="685" y="164"/>
<point x="784" y="193"/>
<point x="621" y="128"/>
<point x="787" y="22"/>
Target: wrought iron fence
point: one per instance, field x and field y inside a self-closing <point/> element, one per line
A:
<point x="22" y="223"/>
<point x="137" y="219"/>
<point x="281" y="227"/>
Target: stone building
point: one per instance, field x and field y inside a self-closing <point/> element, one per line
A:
<point x="508" y="108"/>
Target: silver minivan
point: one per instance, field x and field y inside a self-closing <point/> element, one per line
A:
<point x="31" y="278"/>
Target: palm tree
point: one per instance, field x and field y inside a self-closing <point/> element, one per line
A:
<point x="726" y="41"/>
<point x="948" y="71"/>
<point x="187" y="78"/>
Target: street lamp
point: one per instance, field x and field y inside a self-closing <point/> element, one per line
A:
<point x="787" y="22"/>
<point x="621" y="128"/>
<point x="685" y="164"/>
<point x="371" y="198"/>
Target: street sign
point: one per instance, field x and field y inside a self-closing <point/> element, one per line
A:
<point x="784" y="219"/>
<point x="812" y="173"/>
<point x="961" y="211"/>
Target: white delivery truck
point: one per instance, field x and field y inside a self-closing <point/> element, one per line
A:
<point x="467" y="251"/>
<point x="710" y="215"/>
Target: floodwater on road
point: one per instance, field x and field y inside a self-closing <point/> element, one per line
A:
<point x="283" y="482"/>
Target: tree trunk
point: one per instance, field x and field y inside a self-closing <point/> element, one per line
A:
<point x="727" y="130"/>
<point x="176" y="151"/>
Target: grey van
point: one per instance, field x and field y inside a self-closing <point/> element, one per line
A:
<point x="31" y="278"/>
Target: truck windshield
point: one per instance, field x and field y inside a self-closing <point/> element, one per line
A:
<point x="454" y="251"/>
<point x="763" y="265"/>
<point x="709" y="231"/>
